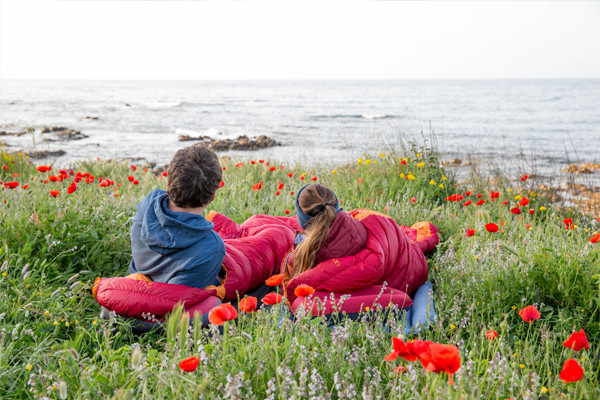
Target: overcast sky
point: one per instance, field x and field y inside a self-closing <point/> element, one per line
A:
<point x="299" y="40"/>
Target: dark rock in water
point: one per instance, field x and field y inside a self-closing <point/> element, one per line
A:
<point x="88" y="118"/>
<point x="18" y="133"/>
<point x="48" y="129"/>
<point x="186" y="138"/>
<point x="127" y="105"/>
<point x="240" y="143"/>
<point x="62" y="134"/>
<point x="39" y="154"/>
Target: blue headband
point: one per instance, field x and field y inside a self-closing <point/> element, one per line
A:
<point x="304" y="218"/>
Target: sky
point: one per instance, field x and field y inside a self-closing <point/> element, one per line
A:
<point x="298" y="40"/>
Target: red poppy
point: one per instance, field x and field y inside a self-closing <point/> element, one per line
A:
<point x="468" y="203"/>
<point x="569" y="223"/>
<point x="401" y="369"/>
<point x="221" y="313"/>
<point x="403" y="162"/>
<point x="131" y="178"/>
<point x="290" y="175"/>
<point x="527" y="226"/>
<point x="53" y="178"/>
<point x="11" y="185"/>
<point x="529" y="314"/>
<point x="470" y="232"/>
<point x="314" y="178"/>
<point x="248" y="304"/>
<point x="492" y="335"/>
<point x="241" y="164"/>
<point x="440" y="358"/>
<point x="54" y="193"/>
<point x="273" y="168"/>
<point x="90" y="179"/>
<point x="302" y="178"/>
<point x="505" y="202"/>
<point x="571" y="371"/>
<point x="15" y="175"/>
<point x="281" y="185"/>
<point x="479" y="196"/>
<point x="524" y="178"/>
<point x="531" y="212"/>
<point x="106" y="183"/>
<point x="401" y="349"/>
<point x="577" y="341"/>
<point x="494" y="195"/>
<point x="275" y="280"/>
<point x="480" y="202"/>
<point x="413" y="200"/>
<point x="291" y="193"/>
<point x="516" y="211"/>
<point x="360" y="180"/>
<point x="25" y="187"/>
<point x="303" y="290"/>
<point x="72" y="188"/>
<point x="44" y="168"/>
<point x="524" y="201"/>
<point x="189" y="364"/>
<point x="455" y="197"/>
<point x="5" y="167"/>
<point x="491" y="227"/>
<point x="272" y="298"/>
<point x="467" y="193"/>
<point x="261" y="161"/>
<point x="133" y="168"/>
<point x="595" y="238"/>
<point x="287" y="211"/>
<point x="257" y="186"/>
<point x="221" y="184"/>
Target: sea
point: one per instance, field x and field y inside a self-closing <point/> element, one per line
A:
<point x="554" y="122"/>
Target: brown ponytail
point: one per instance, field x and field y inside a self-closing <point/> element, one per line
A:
<point x="319" y="202"/>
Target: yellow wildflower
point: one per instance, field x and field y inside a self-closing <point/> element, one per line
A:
<point x="382" y="155"/>
<point x="28" y="367"/>
<point x="521" y="366"/>
<point x="444" y="178"/>
<point x="55" y="323"/>
<point x="432" y="182"/>
<point x="517" y="197"/>
<point x="411" y="177"/>
<point x="476" y="257"/>
<point x="544" y="390"/>
<point x="441" y="185"/>
<point x="542" y="208"/>
<point x="67" y="324"/>
<point x="421" y="164"/>
<point x="368" y="162"/>
<point x="360" y="161"/>
<point x="4" y="274"/>
<point x="452" y="326"/>
<point x="46" y="313"/>
<point x="374" y="161"/>
<point x="514" y="307"/>
<point x="334" y="172"/>
<point x="94" y="322"/>
<point x="418" y="154"/>
<point x="401" y="176"/>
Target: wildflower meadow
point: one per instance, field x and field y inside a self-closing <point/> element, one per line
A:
<point x="516" y="285"/>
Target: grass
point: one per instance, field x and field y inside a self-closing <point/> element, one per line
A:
<point x="52" y="343"/>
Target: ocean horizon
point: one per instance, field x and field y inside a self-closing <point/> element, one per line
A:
<point x="556" y="121"/>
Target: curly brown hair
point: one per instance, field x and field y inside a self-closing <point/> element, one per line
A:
<point x="194" y="177"/>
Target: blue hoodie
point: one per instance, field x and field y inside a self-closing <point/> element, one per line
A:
<point x="174" y="247"/>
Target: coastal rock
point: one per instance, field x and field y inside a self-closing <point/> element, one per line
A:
<point x="60" y="134"/>
<point x="456" y="161"/>
<point x="39" y="154"/>
<point x="187" y="138"/>
<point x="585" y="168"/>
<point x="88" y="118"/>
<point x="240" y="143"/>
<point x="17" y="133"/>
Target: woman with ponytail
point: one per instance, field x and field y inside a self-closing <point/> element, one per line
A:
<point x="362" y="252"/>
<point x="330" y="232"/>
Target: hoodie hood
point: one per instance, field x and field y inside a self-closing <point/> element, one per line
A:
<point x="165" y="231"/>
